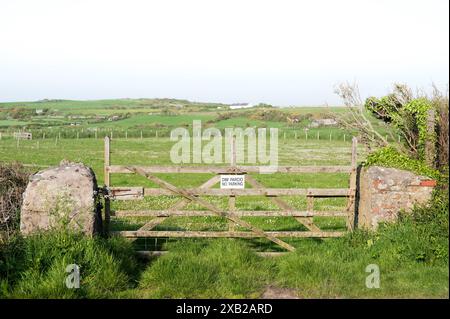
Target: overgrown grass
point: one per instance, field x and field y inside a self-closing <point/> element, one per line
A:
<point x="412" y="256"/>
<point x="35" y="267"/>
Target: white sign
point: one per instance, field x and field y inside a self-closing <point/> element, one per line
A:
<point x="232" y="181"/>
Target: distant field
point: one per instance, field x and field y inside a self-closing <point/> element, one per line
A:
<point x="13" y="123"/>
<point x="90" y="113"/>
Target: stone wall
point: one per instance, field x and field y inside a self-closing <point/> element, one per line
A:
<point x="61" y="196"/>
<point x="383" y="192"/>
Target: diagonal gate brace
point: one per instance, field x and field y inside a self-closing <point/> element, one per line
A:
<point x="178" y="205"/>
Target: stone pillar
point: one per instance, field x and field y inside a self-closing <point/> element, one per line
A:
<point x="64" y="195"/>
<point x="383" y="192"/>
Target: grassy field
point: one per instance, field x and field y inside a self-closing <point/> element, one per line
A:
<point x="205" y="268"/>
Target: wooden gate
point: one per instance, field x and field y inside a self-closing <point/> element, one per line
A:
<point x="232" y="214"/>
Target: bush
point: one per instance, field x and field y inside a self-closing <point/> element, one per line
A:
<point x="268" y="115"/>
<point x="13" y="181"/>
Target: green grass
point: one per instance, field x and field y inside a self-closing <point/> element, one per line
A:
<point x="35" y="267"/>
<point x="412" y="256"/>
<point x="155" y="151"/>
<point x="13" y="123"/>
<point x="146" y="121"/>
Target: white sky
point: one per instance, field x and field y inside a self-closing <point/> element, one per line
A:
<point x="279" y="52"/>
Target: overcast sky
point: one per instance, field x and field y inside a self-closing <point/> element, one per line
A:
<point x="278" y="52"/>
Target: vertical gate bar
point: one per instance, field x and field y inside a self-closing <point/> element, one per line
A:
<point x="309" y="221"/>
<point x="232" y="198"/>
<point x="231" y="208"/>
<point x="310" y="203"/>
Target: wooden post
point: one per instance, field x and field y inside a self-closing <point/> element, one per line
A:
<point x="141" y="135"/>
<point x="126" y="134"/>
<point x="430" y="147"/>
<point x="107" y="184"/>
<point x="107" y="161"/>
<point x="306" y="135"/>
<point x="352" y="195"/>
<point x="233" y="152"/>
<point x="330" y="136"/>
<point x="232" y="198"/>
<point x="318" y="135"/>
<point x="344" y="137"/>
<point x="59" y="135"/>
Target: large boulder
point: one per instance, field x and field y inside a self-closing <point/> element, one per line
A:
<point x="63" y="196"/>
<point x="383" y="192"/>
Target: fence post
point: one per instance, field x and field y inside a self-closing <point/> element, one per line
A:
<point x="232" y="198"/>
<point x="107" y="183"/>
<point x="352" y="195"/>
<point x="344" y="137"/>
<point x="318" y="135"/>
<point x="141" y="135"/>
<point x="107" y="160"/>
<point x="126" y="134"/>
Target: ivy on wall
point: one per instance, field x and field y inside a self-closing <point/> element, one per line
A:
<point x="390" y="157"/>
